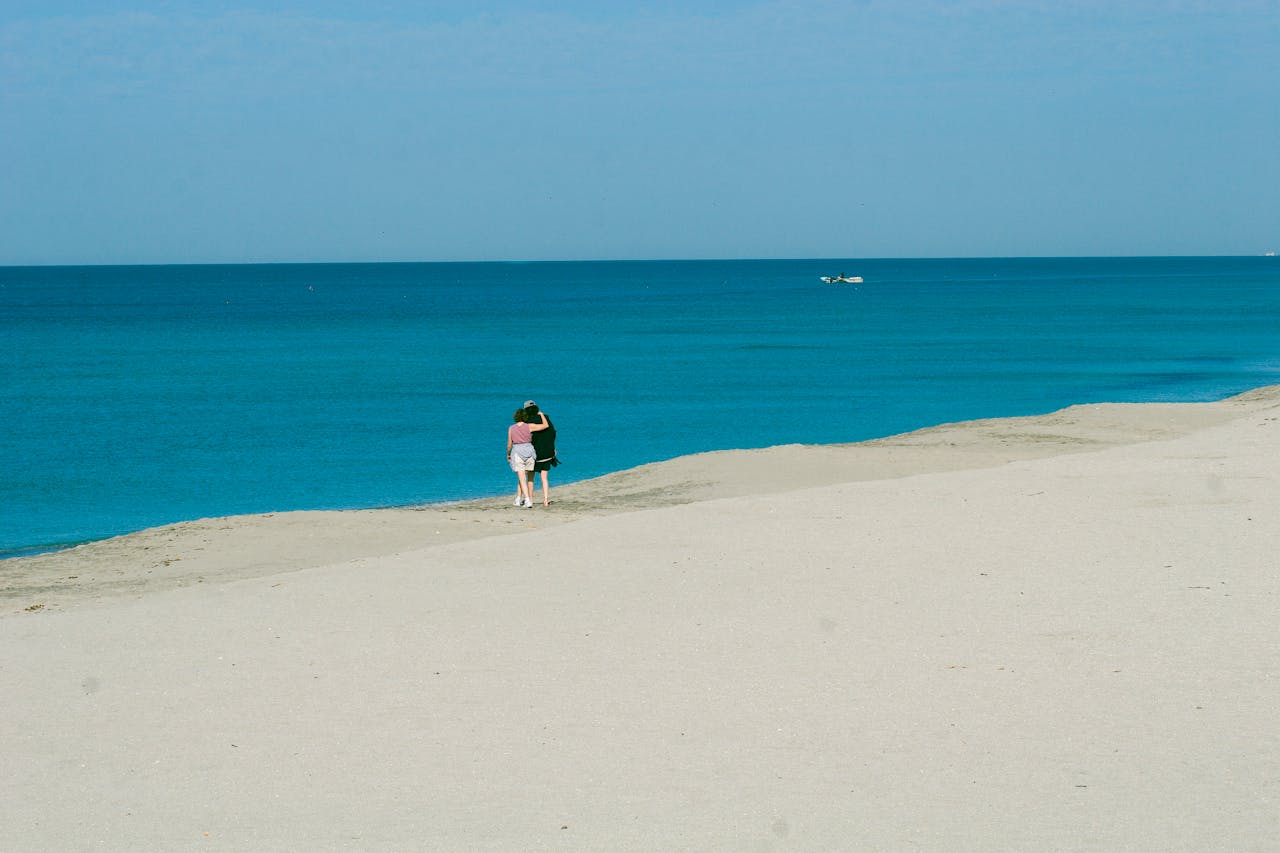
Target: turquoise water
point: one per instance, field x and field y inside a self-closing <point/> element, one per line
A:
<point x="138" y="396"/>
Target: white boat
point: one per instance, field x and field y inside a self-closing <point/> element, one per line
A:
<point x="842" y="279"/>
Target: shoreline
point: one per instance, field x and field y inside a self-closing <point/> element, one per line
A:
<point x="984" y="636"/>
<point x="27" y="551"/>
<point x="230" y="548"/>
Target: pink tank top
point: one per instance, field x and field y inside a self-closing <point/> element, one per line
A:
<point x="519" y="434"/>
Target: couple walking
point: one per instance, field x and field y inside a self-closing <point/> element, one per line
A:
<point x="531" y="446"/>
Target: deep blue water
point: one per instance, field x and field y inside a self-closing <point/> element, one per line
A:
<point x="138" y="396"/>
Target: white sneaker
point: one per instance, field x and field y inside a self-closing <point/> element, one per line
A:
<point x="519" y="502"/>
<point x="528" y="504"/>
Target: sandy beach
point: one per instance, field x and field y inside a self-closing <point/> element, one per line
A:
<point x="1057" y="632"/>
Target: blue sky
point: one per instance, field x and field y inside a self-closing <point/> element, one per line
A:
<point x="153" y="132"/>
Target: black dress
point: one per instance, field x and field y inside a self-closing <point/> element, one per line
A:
<point x="544" y="446"/>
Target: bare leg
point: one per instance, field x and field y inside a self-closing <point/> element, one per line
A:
<point x="546" y="490"/>
<point x="521" y="487"/>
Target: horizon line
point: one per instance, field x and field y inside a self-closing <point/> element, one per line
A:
<point x="524" y="261"/>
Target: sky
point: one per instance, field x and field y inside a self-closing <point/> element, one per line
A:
<point x="328" y="131"/>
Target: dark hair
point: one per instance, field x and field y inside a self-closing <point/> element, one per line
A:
<point x="531" y="412"/>
<point x="520" y="417"/>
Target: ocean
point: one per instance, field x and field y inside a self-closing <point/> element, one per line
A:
<point x="139" y="396"/>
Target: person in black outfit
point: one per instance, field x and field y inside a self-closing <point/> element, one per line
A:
<point x="544" y="444"/>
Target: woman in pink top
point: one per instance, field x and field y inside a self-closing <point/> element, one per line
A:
<point x="521" y="455"/>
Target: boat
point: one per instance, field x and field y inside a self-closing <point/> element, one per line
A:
<point x="842" y="279"/>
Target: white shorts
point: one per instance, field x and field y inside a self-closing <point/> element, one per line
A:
<point x="522" y="457"/>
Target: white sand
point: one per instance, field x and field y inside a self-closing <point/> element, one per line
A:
<point x="1049" y="633"/>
